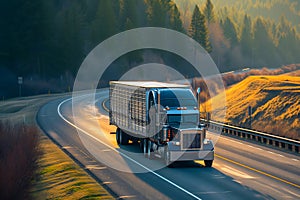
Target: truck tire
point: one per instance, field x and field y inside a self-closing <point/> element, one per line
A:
<point x="208" y="163"/>
<point x="149" y="150"/>
<point x="144" y="146"/>
<point x="121" y="137"/>
<point x="118" y="135"/>
<point x="124" y="139"/>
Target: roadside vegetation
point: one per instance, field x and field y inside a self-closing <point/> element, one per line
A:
<point x="19" y="153"/>
<point x="31" y="166"/>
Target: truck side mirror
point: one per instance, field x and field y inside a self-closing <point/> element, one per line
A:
<point x="198" y="97"/>
<point x="198" y="93"/>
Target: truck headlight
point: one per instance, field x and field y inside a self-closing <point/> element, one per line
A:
<point x="176" y="143"/>
<point x="206" y="141"/>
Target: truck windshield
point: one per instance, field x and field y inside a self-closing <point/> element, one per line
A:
<point x="183" y="119"/>
<point x="176" y="97"/>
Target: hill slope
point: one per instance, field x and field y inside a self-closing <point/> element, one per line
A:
<point x="275" y="102"/>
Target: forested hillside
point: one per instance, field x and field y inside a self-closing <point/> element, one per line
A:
<point x="253" y="33"/>
<point x="269" y="9"/>
<point x="46" y="41"/>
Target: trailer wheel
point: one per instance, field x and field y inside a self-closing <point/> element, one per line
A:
<point x="208" y="163"/>
<point x="123" y="137"/>
<point x="118" y="135"/>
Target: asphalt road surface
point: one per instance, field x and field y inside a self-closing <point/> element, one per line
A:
<point x="241" y="170"/>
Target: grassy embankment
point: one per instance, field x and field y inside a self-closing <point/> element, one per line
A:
<point x="275" y="102"/>
<point x="32" y="166"/>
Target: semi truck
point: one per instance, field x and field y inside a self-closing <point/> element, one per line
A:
<point x="164" y="118"/>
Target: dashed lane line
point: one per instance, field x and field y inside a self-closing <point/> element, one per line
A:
<point x="258" y="171"/>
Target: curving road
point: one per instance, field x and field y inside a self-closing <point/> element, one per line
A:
<point x="241" y="170"/>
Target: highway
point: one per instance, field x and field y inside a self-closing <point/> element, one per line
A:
<point x="241" y="170"/>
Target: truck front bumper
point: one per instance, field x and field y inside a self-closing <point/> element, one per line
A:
<point x="191" y="155"/>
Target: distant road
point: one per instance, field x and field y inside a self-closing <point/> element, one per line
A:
<point x="241" y="170"/>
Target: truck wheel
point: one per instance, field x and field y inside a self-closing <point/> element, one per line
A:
<point x="167" y="157"/>
<point x="149" y="150"/>
<point x="118" y="135"/>
<point x="208" y="163"/>
<point x="123" y="137"/>
<point x="144" y="146"/>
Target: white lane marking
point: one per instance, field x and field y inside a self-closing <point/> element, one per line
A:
<point x="295" y="159"/>
<point x="292" y="193"/>
<point x="107" y="182"/>
<point x="271" y="152"/>
<point x="66" y="147"/>
<point x="240" y="182"/>
<point x="124" y="155"/>
<point x="280" y="155"/>
<point x="223" y="138"/>
<point x="106" y="150"/>
<point x="94" y="167"/>
<point x="127" y="196"/>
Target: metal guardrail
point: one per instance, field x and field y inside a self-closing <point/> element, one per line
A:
<point x="265" y="138"/>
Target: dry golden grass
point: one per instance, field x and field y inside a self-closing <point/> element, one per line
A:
<point x="60" y="178"/>
<point x="275" y="102"/>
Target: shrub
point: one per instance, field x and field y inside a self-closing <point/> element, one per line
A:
<point x="18" y="159"/>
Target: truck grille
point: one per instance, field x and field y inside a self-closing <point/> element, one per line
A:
<point x="191" y="141"/>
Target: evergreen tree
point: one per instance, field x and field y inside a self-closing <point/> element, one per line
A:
<point x="135" y="11"/>
<point x="246" y="39"/>
<point x="156" y="14"/>
<point x="104" y="24"/>
<point x="127" y="14"/>
<point x="23" y="35"/>
<point x="230" y="32"/>
<point x="198" y="29"/>
<point x="71" y="38"/>
<point x="176" y="23"/>
<point x="264" y="48"/>
<point x="209" y="11"/>
<point x="164" y="13"/>
<point x="283" y="28"/>
<point x="288" y="47"/>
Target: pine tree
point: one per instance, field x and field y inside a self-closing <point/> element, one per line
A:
<point x="104" y="24"/>
<point x="198" y="29"/>
<point x="127" y="14"/>
<point x="209" y="12"/>
<point x="288" y="46"/>
<point x="246" y="38"/>
<point x="133" y="10"/>
<point x="230" y="32"/>
<point x="72" y="42"/>
<point x="264" y="48"/>
<point x="156" y="14"/>
<point x="176" y="23"/>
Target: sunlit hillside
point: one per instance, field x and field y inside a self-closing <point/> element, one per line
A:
<point x="275" y="103"/>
